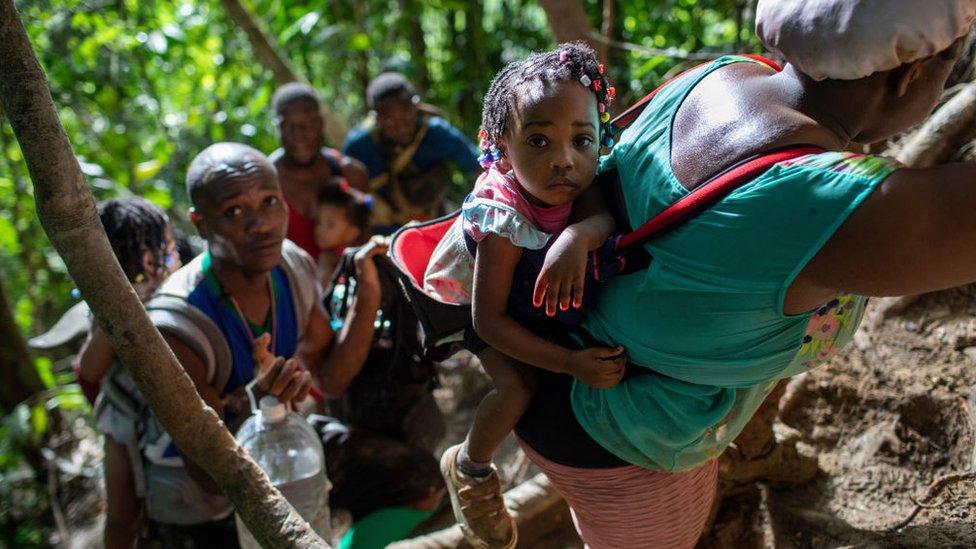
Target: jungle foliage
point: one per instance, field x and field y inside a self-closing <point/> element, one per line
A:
<point x="143" y="86"/>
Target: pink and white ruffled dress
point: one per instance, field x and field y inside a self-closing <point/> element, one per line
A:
<point x="498" y="206"/>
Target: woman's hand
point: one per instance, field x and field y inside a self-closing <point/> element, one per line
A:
<point x="563" y="275"/>
<point x="598" y="367"/>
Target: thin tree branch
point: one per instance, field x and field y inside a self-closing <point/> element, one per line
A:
<point x="607" y="26"/>
<point x="673" y="53"/>
<point x="269" y="55"/>
<point x="933" y="490"/>
<point x="568" y="22"/>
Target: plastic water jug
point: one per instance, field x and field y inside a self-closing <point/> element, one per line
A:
<point x="290" y="452"/>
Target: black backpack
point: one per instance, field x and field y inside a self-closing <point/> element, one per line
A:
<point x="396" y="356"/>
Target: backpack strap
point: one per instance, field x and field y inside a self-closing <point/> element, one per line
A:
<point x="175" y="317"/>
<point x="710" y="192"/>
<point x="627" y="117"/>
<point x="305" y="289"/>
<point x="333" y="159"/>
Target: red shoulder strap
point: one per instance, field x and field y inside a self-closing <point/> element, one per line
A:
<point x="627" y="117"/>
<point x="707" y="194"/>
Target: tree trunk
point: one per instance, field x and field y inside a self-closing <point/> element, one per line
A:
<point x="607" y="24"/>
<point x="469" y="43"/>
<point x="66" y="210"/>
<point x="16" y="368"/>
<point x="362" y="56"/>
<point x="940" y="135"/>
<point x="568" y="23"/>
<point x="412" y="12"/>
<point x="267" y="53"/>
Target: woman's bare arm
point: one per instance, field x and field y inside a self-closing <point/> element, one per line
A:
<point x="914" y="234"/>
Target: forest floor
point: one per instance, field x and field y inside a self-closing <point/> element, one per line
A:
<point x="890" y="415"/>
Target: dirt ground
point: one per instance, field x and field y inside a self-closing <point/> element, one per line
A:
<point x="890" y="415"/>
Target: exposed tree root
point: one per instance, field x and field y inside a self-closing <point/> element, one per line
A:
<point x="930" y="493"/>
<point x="535" y="505"/>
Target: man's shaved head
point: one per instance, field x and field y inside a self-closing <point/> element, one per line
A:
<point x="294" y="92"/>
<point x="217" y="165"/>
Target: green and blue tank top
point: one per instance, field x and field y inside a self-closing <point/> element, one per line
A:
<point x="210" y="298"/>
<point x="707" y="316"/>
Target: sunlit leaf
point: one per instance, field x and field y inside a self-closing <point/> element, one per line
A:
<point x="360" y="42"/>
<point x="38" y="421"/>
<point x="148" y="169"/>
<point x="156" y="42"/>
<point x="159" y="195"/>
<point x="43" y="366"/>
<point x="90" y="169"/>
<point x="9" y="242"/>
<point x="304" y="25"/>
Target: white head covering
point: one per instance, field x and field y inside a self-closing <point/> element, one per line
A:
<point x="850" y="39"/>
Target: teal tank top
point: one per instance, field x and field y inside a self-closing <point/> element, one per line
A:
<point x="706" y="318"/>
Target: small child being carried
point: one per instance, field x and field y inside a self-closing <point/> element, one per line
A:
<point x="341" y="221"/>
<point x="515" y="248"/>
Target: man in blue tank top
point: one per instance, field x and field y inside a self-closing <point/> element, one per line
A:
<point x="251" y="283"/>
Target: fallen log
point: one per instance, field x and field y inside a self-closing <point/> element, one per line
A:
<point x="535" y="505"/>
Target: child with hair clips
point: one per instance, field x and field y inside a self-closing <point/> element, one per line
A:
<point x="514" y="248"/>
<point x="341" y="220"/>
<point x="142" y="239"/>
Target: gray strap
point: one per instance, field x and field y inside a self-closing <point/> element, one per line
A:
<point x="306" y="291"/>
<point x="73" y="324"/>
<point x="112" y="393"/>
<point x="176" y="317"/>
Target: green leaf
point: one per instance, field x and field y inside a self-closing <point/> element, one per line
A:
<point x="147" y="169"/>
<point x="43" y="366"/>
<point x="360" y="42"/>
<point x="159" y="195"/>
<point x="24" y="313"/>
<point x="39" y="421"/>
<point x="70" y="400"/>
<point x="304" y="24"/>
<point x="9" y="242"/>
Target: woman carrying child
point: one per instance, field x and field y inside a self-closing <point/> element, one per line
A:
<point x="543" y="124"/>
<point x="142" y="238"/>
<point x="769" y="281"/>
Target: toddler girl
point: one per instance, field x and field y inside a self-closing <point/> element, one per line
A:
<point x="514" y="248"/>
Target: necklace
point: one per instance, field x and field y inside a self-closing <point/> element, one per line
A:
<point x="247" y="325"/>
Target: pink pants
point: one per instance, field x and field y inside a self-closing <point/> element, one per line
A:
<point x="630" y="507"/>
